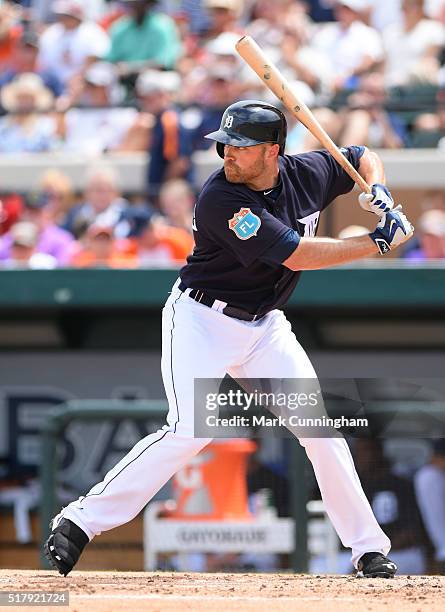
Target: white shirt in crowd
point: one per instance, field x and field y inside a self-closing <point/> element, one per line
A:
<point x="64" y="52"/>
<point x="404" y="50"/>
<point x="95" y="130"/>
<point x="346" y="49"/>
<point x="94" y="9"/>
<point x="384" y="13"/>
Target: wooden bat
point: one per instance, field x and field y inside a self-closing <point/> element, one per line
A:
<point x="253" y="55"/>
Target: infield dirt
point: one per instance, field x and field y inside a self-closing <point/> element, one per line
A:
<point x="165" y="592"/>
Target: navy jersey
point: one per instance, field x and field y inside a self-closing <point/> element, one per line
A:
<point x="243" y="236"/>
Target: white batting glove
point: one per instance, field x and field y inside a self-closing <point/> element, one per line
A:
<point x="378" y="202"/>
<point x="392" y="230"/>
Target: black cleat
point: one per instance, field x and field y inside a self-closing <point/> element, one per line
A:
<point x="375" y="565"/>
<point x="65" y="545"/>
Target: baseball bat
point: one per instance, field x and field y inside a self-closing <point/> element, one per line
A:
<point x="253" y="55"/>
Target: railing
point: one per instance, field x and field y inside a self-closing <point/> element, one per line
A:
<point x="94" y="410"/>
<point x="422" y="168"/>
<point x="367" y="284"/>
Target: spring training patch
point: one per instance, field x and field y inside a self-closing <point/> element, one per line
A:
<point x="245" y="224"/>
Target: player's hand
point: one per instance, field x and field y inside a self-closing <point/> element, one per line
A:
<point x="392" y="230"/>
<point x="378" y="202"/>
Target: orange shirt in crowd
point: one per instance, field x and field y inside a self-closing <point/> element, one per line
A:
<point x="8" y="44"/>
<point x="172" y="244"/>
<point x="159" y="244"/>
<point x="88" y="259"/>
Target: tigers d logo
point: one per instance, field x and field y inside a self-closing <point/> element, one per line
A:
<point x="228" y="122"/>
<point x="245" y="224"/>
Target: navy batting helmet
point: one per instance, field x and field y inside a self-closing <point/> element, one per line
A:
<point x="248" y="123"/>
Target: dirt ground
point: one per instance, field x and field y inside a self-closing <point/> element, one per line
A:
<point x="165" y="592"/>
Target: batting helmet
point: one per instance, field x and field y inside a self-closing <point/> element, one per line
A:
<point x="248" y="123"/>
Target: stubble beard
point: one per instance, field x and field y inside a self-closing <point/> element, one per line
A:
<point x="235" y="175"/>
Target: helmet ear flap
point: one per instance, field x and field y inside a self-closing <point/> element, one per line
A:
<point x="220" y="149"/>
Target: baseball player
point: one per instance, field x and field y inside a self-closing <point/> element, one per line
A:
<point x="254" y="227"/>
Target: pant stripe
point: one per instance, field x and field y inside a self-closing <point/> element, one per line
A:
<point x="171" y="361"/>
<point x="165" y="432"/>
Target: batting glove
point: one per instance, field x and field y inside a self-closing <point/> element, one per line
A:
<point x="392" y="230"/>
<point x="379" y="201"/>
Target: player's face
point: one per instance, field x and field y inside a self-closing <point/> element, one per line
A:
<point x="246" y="164"/>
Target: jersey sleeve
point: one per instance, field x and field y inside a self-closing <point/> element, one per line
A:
<point x="328" y="173"/>
<point x="282" y="249"/>
<point x="244" y="228"/>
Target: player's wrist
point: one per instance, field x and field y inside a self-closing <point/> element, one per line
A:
<point x="381" y="245"/>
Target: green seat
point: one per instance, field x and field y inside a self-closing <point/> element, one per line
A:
<point x="426" y="139"/>
<point x="410" y="101"/>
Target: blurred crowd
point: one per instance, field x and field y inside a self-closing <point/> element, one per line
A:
<point x="94" y="77"/>
<point x="52" y="228"/>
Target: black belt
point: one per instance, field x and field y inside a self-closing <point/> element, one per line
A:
<point x="229" y="311"/>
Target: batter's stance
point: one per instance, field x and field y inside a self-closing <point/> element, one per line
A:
<point x="254" y="227"/>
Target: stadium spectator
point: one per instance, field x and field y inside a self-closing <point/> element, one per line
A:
<point x="304" y="63"/>
<point x="10" y="32"/>
<point x="57" y="187"/>
<point x="52" y="240"/>
<point x="28" y="128"/>
<point x="23" y="252"/>
<point x="383" y="13"/>
<point x="218" y="89"/>
<point x="412" y="47"/>
<point x="352" y="47"/>
<point x="143" y="39"/>
<point x="100" y="249"/>
<point x="267" y="23"/>
<point x="68" y="45"/>
<point x="223" y="17"/>
<point x="365" y="120"/>
<point x="152" y="241"/>
<point x="94" y="126"/>
<point x="271" y="19"/>
<point x="196" y="15"/>
<point x="41" y="10"/>
<point x="429" y="482"/>
<point x="170" y="144"/>
<point x="321" y="10"/>
<point x="218" y="56"/>
<point x="24" y="59"/>
<point x="283" y="29"/>
<point x="221" y="51"/>
<point x="221" y="54"/>
<point x="176" y="201"/>
<point x="11" y="205"/>
<point x="103" y="204"/>
<point x="431" y="236"/>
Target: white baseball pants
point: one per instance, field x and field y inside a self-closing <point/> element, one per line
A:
<point x="200" y="342"/>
